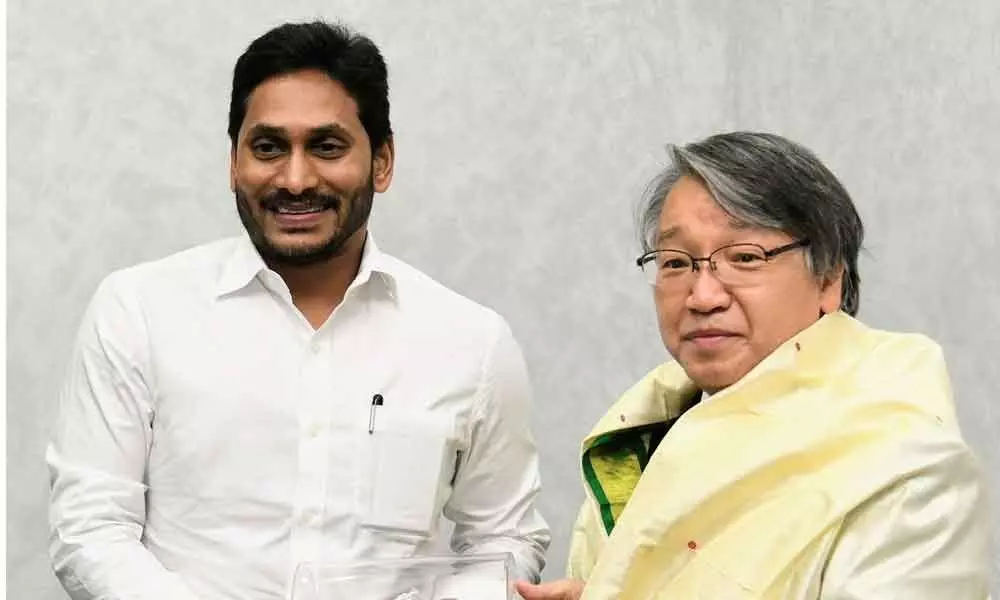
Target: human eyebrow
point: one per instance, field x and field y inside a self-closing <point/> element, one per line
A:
<point x="330" y="130"/>
<point x="742" y="226"/>
<point x="264" y="130"/>
<point x="667" y="234"/>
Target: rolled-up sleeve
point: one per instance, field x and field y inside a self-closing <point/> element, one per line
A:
<point x="927" y="537"/>
<point x="494" y="498"/>
<point x="97" y="459"/>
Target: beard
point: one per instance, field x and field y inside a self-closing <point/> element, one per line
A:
<point x="353" y="214"/>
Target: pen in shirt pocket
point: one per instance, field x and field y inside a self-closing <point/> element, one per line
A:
<point x="377" y="400"/>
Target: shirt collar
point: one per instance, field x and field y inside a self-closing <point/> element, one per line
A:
<point x="244" y="264"/>
<point x="376" y="264"/>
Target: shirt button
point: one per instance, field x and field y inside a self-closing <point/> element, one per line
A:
<point x="310" y="516"/>
<point x="314" y="347"/>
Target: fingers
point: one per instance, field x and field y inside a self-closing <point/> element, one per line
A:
<point x="564" y="589"/>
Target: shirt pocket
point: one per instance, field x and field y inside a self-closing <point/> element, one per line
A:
<point x="408" y="473"/>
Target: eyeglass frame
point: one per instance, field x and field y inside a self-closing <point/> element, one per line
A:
<point x="768" y="254"/>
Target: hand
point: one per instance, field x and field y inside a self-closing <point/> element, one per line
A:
<point x="564" y="589"/>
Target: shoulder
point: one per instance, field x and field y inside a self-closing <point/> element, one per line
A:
<point x="119" y="306"/>
<point x="196" y="265"/>
<point x="432" y="305"/>
<point x="901" y="352"/>
<point x="193" y="268"/>
<point x="906" y="372"/>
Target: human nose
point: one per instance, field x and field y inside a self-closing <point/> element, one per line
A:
<point x="298" y="174"/>
<point x="707" y="293"/>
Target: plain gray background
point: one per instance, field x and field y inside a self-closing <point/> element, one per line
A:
<point x="525" y="132"/>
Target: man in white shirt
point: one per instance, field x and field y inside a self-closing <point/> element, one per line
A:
<point x="294" y="394"/>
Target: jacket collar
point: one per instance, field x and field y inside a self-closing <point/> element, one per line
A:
<point x="666" y="392"/>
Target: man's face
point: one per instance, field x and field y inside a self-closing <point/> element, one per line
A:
<point x="302" y="169"/>
<point x="718" y="333"/>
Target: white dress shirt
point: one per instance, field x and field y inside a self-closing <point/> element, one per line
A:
<point x="209" y="439"/>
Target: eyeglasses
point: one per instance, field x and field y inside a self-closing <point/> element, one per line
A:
<point x="734" y="264"/>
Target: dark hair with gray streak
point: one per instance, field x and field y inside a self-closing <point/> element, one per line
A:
<point x="765" y="180"/>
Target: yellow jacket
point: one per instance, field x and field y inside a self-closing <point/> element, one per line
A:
<point x="835" y="469"/>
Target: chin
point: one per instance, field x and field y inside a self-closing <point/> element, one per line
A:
<point x="302" y="251"/>
<point x="711" y="384"/>
<point x="712" y="376"/>
<point x="300" y="242"/>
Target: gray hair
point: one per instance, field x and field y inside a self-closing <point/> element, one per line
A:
<point x="765" y="180"/>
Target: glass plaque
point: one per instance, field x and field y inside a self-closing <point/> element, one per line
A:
<point x="471" y="577"/>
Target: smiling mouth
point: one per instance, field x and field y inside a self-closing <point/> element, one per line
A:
<point x="305" y="210"/>
<point x="296" y="206"/>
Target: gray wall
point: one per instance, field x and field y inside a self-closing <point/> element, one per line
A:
<point x="525" y="131"/>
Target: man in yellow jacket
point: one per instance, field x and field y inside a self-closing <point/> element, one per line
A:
<point x="789" y="451"/>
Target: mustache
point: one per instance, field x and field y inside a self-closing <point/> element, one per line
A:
<point x="309" y="200"/>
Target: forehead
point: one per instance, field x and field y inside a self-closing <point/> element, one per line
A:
<point x="690" y="209"/>
<point x="301" y="101"/>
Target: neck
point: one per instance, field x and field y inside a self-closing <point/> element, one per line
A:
<point x="318" y="289"/>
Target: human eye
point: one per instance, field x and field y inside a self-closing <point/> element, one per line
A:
<point x="672" y="262"/>
<point x="329" y="148"/>
<point x="265" y="148"/>
<point x="744" y="257"/>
